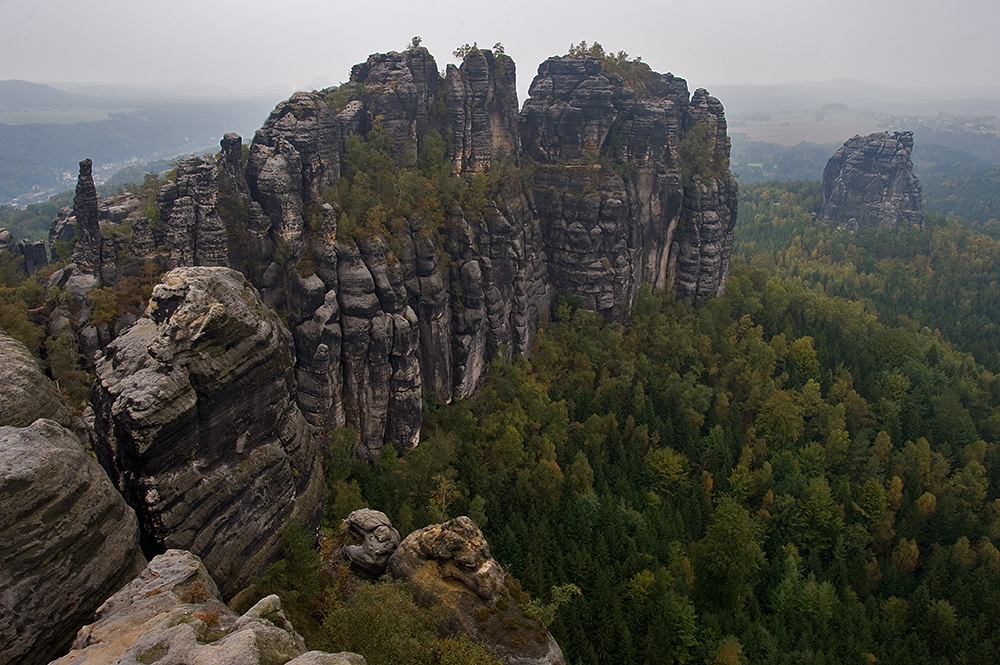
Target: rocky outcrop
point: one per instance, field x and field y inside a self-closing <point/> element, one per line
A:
<point x="87" y="252"/>
<point x="25" y="393"/>
<point x="637" y="187"/>
<point x="379" y="539"/>
<point x="598" y="185"/>
<point x="172" y="614"/>
<point x="67" y="539"/>
<point x="33" y="253"/>
<point x="199" y="428"/>
<point x="448" y="567"/>
<point x="869" y="182"/>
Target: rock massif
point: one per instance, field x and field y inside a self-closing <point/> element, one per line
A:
<point x="598" y="185"/>
<point x="172" y="614"/>
<point x="869" y="182"/>
<point x="199" y="427"/>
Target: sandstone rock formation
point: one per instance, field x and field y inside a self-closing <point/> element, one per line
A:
<point x="67" y="539"/>
<point x="379" y="539"/>
<point x="199" y="428"/>
<point x="172" y="614"/>
<point x="596" y="186"/>
<point x="33" y="253"/>
<point x="448" y="567"/>
<point x="869" y="182"/>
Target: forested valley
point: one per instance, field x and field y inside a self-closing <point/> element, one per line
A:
<point x="804" y="470"/>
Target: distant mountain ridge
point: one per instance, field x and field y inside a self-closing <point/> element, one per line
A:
<point x="17" y="95"/>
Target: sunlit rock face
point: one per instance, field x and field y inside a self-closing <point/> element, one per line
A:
<point x="198" y="424"/>
<point x="869" y="182"/>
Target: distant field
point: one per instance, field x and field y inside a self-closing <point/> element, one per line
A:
<point x="56" y="117"/>
<point x="793" y="128"/>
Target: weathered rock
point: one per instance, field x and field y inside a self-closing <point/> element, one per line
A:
<point x="378" y="540"/>
<point x="193" y="231"/>
<point x="448" y="567"/>
<point x="608" y="230"/>
<point x="198" y="425"/>
<point x="869" y="182"/>
<point x="67" y="540"/>
<point x="172" y="614"/>
<point x="25" y="393"/>
<point x="32" y="253"/>
<point x="87" y="252"/>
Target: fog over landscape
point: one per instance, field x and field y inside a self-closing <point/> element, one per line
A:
<point x="236" y="47"/>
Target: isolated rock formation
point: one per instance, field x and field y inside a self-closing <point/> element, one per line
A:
<point x="448" y="567"/>
<point x="67" y="539"/>
<point x="172" y="614"/>
<point x="869" y="182"/>
<point x="379" y="539"/>
<point x="199" y="428"/>
<point x="33" y="253"/>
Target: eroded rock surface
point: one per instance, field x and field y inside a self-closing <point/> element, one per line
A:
<point x="597" y="186"/>
<point x="172" y="614"/>
<point x="449" y="567"/>
<point x="869" y="182"/>
<point x="379" y="539"/>
<point x="199" y="428"/>
<point x="25" y="393"/>
<point x="67" y="540"/>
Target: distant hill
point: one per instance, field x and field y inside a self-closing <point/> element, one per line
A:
<point x="20" y="96"/>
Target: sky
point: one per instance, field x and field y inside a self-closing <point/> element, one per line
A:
<point x="255" y="45"/>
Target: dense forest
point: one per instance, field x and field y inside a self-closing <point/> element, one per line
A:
<point x="804" y="470"/>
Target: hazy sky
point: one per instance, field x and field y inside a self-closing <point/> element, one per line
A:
<point x="306" y="44"/>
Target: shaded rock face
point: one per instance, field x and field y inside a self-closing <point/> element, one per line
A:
<point x="194" y="233"/>
<point x="87" y="253"/>
<point x="198" y="425"/>
<point x="67" y="540"/>
<point x="869" y="182"/>
<point x="652" y="219"/>
<point x="33" y="253"/>
<point x="448" y="567"/>
<point x="379" y="539"/>
<point x="172" y="614"/>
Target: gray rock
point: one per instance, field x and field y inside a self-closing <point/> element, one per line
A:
<point x="87" y="252"/>
<point x="198" y="425"/>
<point x="378" y="540"/>
<point x="25" y="393"/>
<point x="869" y="182"/>
<point x="172" y="614"/>
<point x="67" y="540"/>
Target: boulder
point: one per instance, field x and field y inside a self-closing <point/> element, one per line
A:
<point x="25" y="393"/>
<point x="378" y="540"/>
<point x="67" y="540"/>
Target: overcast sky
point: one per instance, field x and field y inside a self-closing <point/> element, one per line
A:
<point x="307" y="44"/>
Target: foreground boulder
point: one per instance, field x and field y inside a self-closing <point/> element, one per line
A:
<point x="172" y="614"/>
<point x="448" y="567"/>
<point x="870" y="182"/>
<point x="198" y="425"/>
<point x="67" y="540"/>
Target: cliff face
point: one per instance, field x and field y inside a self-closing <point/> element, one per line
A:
<point x="869" y="182"/>
<point x="199" y="428"/>
<point x="628" y="186"/>
<point x="625" y="204"/>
